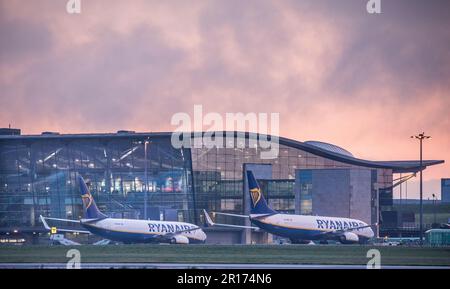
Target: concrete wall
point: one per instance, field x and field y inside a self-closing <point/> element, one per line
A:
<point x="360" y="195"/>
<point x="330" y="192"/>
<point x="341" y="193"/>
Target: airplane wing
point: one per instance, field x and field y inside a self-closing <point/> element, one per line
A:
<point x="181" y="231"/>
<point x="168" y="236"/>
<point x="355" y="228"/>
<point x="46" y="226"/>
<point x="62" y="220"/>
<point x="232" y="215"/>
<point x="341" y="231"/>
<point x="209" y="222"/>
<point x="63" y="241"/>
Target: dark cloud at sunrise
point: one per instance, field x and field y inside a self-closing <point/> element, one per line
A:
<point x="334" y="72"/>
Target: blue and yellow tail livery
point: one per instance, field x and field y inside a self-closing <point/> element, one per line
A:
<point x="91" y="210"/>
<point x="257" y="200"/>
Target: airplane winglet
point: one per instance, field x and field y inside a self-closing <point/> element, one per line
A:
<point x="208" y="219"/>
<point x="44" y="222"/>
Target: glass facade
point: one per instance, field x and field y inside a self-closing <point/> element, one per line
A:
<point x="38" y="177"/>
<point x="305" y="192"/>
<point x="445" y="190"/>
<point x="218" y="177"/>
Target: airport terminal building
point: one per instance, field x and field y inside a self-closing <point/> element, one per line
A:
<point x="38" y="177"/>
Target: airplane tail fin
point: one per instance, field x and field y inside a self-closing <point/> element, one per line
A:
<point x="90" y="209"/>
<point x="257" y="200"/>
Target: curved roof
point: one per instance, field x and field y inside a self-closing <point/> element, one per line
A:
<point x="322" y="150"/>
<point x="329" y="147"/>
<point x="409" y="166"/>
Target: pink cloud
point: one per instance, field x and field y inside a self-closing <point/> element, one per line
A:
<point x="333" y="72"/>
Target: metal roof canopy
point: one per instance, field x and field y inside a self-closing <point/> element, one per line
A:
<point x="409" y="166"/>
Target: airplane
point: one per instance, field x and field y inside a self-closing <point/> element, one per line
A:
<point x="129" y="230"/>
<point x="297" y="228"/>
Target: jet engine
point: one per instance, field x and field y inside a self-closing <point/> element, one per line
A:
<point x="179" y="239"/>
<point x="348" y="238"/>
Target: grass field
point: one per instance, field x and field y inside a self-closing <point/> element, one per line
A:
<point x="254" y="254"/>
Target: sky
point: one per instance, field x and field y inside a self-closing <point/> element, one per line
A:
<point x="333" y="72"/>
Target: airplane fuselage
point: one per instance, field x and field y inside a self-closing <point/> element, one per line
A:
<point x="301" y="227"/>
<point x="143" y="231"/>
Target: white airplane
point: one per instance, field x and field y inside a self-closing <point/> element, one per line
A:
<point x="298" y="228"/>
<point x="130" y="230"/>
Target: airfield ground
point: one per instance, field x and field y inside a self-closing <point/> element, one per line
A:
<point x="251" y="254"/>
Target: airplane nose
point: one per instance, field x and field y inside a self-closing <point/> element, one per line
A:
<point x="203" y="235"/>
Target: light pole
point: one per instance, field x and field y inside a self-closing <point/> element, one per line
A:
<point x="421" y="137"/>
<point x="146" y="142"/>
<point x="401" y="184"/>
<point x="434" y="209"/>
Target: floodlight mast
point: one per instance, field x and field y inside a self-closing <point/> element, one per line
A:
<point x="421" y="137"/>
